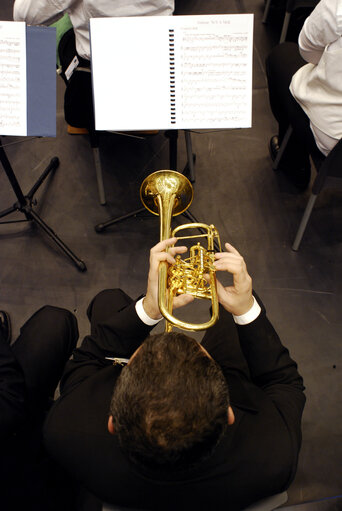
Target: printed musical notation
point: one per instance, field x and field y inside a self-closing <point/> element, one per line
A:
<point x="214" y="72"/>
<point x="12" y="78"/>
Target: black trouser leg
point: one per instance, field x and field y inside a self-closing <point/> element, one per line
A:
<point x="78" y="97"/>
<point x="104" y="304"/>
<point x="42" y="349"/>
<point x="32" y="481"/>
<point x="281" y="64"/>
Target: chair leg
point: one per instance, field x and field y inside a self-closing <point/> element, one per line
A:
<point x="282" y="148"/>
<point x="94" y="142"/>
<point x="304" y="221"/>
<point x="267" y="8"/>
<point x="285" y="27"/>
<point x="99" y="177"/>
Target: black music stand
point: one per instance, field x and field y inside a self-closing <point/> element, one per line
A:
<point x="188" y="171"/>
<point x="25" y="202"/>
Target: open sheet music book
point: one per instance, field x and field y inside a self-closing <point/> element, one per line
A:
<point x="27" y="79"/>
<point x="164" y="72"/>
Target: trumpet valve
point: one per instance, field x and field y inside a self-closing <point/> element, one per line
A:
<point x="186" y="276"/>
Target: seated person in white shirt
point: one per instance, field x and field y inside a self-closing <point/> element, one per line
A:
<point x="183" y="425"/>
<point x="305" y="86"/>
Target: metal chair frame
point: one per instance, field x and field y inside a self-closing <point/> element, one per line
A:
<point x="326" y="167"/>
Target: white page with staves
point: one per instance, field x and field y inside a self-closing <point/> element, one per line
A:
<point x="13" y="104"/>
<point x="213" y="70"/>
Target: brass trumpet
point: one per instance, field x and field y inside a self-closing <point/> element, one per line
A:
<point x="168" y="193"/>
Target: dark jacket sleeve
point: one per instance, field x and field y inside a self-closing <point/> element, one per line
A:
<point x="119" y="336"/>
<point x="12" y="391"/>
<point x="273" y="370"/>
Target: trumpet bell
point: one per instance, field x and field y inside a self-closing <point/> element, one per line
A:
<point x="166" y="184"/>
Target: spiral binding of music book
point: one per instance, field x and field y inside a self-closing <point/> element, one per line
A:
<point x="172" y="75"/>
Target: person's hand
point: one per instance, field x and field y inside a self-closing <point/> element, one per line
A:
<point x="237" y="298"/>
<point x="157" y="255"/>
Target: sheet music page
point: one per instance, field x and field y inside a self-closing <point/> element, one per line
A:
<point x="213" y="70"/>
<point x="130" y="71"/>
<point x="13" y="118"/>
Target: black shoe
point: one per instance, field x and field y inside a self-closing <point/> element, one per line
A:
<point x="273" y="147"/>
<point x="5" y="327"/>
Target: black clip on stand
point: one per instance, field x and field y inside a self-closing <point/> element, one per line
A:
<point x="25" y="202"/>
<point x="188" y="171"/>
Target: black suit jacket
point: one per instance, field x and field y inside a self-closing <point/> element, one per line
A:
<point x="257" y="457"/>
<point x="12" y="392"/>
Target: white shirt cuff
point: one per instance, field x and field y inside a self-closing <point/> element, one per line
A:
<point x="142" y="314"/>
<point x="249" y="316"/>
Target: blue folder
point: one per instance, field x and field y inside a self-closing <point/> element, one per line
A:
<point x="41" y="81"/>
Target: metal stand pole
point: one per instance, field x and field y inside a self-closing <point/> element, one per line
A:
<point x="172" y="135"/>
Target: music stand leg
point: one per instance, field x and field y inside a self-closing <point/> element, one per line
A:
<point x="101" y="227"/>
<point x="191" y="158"/>
<point x="52" y="166"/>
<point x="36" y="218"/>
<point x="172" y="135"/>
<point x="7" y="211"/>
<point x="188" y="170"/>
<point x="24" y="204"/>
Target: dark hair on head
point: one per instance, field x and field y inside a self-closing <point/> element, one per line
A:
<point x="170" y="403"/>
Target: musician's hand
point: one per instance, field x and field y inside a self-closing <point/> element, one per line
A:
<point x="237" y="298"/>
<point x="157" y="255"/>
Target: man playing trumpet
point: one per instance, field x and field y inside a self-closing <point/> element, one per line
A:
<point x="181" y="425"/>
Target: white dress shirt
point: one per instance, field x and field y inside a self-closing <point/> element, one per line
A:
<point x="37" y="12"/>
<point x="317" y="86"/>
<point x="244" y="319"/>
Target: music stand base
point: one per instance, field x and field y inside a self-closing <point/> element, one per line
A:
<point x="103" y="226"/>
<point x="25" y="205"/>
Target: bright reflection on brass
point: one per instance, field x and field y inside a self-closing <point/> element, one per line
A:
<point x="168" y="193"/>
